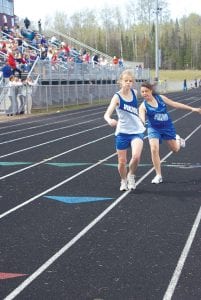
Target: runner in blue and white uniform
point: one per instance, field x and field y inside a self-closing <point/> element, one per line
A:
<point x="129" y="129"/>
<point x="160" y="125"/>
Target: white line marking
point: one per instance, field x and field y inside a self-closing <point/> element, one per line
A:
<point x="60" y="128"/>
<point x="51" y="260"/>
<point x="52" y="141"/>
<point x="48" y="131"/>
<point x="176" y="275"/>
<point x="50" y="117"/>
<point x="48" y="124"/>
<point x="53" y="157"/>
<point x="55" y="186"/>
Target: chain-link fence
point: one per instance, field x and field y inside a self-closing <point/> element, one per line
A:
<point x="46" y="96"/>
<point x="12" y="101"/>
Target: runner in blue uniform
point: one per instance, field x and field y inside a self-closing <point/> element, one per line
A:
<point x="129" y="129"/>
<point x="160" y="125"/>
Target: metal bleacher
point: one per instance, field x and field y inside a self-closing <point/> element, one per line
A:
<point x="63" y="83"/>
<point x="70" y="72"/>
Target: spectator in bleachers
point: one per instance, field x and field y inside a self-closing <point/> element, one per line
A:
<point x="27" y="23"/>
<point x="23" y="55"/>
<point x="35" y="42"/>
<point x="32" y="56"/>
<point x="121" y="62"/>
<point x="13" y="46"/>
<point x="43" y="41"/>
<point x="4" y="48"/>
<point x="28" y="34"/>
<point x="64" y="51"/>
<point x="54" y="41"/>
<point x="16" y="31"/>
<point x="82" y="51"/>
<point x="78" y="59"/>
<point x="7" y="72"/>
<point x="103" y="61"/>
<point x="43" y="51"/>
<point x="19" y="40"/>
<point x="95" y="60"/>
<point x="65" y="47"/>
<point x="86" y="57"/>
<point x="54" y="57"/>
<point x="25" y="45"/>
<point x="49" y="54"/>
<point x="5" y="30"/>
<point x="12" y="63"/>
<point x="22" y="62"/>
<point x="115" y="60"/>
<point x="73" y="52"/>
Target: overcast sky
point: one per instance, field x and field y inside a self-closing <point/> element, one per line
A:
<point x="39" y="9"/>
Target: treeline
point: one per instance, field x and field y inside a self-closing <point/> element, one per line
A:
<point x="129" y="32"/>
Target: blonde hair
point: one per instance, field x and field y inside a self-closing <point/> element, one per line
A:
<point x="128" y="73"/>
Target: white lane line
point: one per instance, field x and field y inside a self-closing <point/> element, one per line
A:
<point x="190" y="134"/>
<point x="50" y="117"/>
<point x="177" y="273"/>
<point x="55" y="186"/>
<point x="55" y="156"/>
<point x="52" y="259"/>
<point x="68" y="179"/>
<point x="48" y="124"/>
<point x="60" y="128"/>
<point x="84" y="231"/>
<point x="52" y="141"/>
<point x="48" y="131"/>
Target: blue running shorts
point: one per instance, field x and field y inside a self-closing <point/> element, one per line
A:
<point x="162" y="133"/>
<point x="123" y="140"/>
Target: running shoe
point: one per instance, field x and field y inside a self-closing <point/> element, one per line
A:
<point x="181" y="141"/>
<point x="131" y="182"/>
<point x="157" y="179"/>
<point x="124" y="185"/>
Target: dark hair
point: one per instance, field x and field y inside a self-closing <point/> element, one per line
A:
<point x="149" y="86"/>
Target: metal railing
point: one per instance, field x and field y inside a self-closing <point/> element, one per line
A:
<point x="82" y="45"/>
<point x="25" y="44"/>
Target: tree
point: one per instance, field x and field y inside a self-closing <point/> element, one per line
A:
<point x="131" y="33"/>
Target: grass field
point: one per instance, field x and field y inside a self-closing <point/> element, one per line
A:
<point x="178" y="74"/>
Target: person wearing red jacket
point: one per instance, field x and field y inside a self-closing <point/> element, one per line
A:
<point x="12" y="63"/>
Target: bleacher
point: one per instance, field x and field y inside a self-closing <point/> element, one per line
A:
<point x="49" y="64"/>
<point x="68" y="67"/>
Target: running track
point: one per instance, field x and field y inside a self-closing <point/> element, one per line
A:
<point x="68" y="233"/>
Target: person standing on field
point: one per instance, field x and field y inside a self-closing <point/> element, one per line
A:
<point x="185" y="85"/>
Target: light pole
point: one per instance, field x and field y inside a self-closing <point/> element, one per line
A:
<point x="156" y="44"/>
